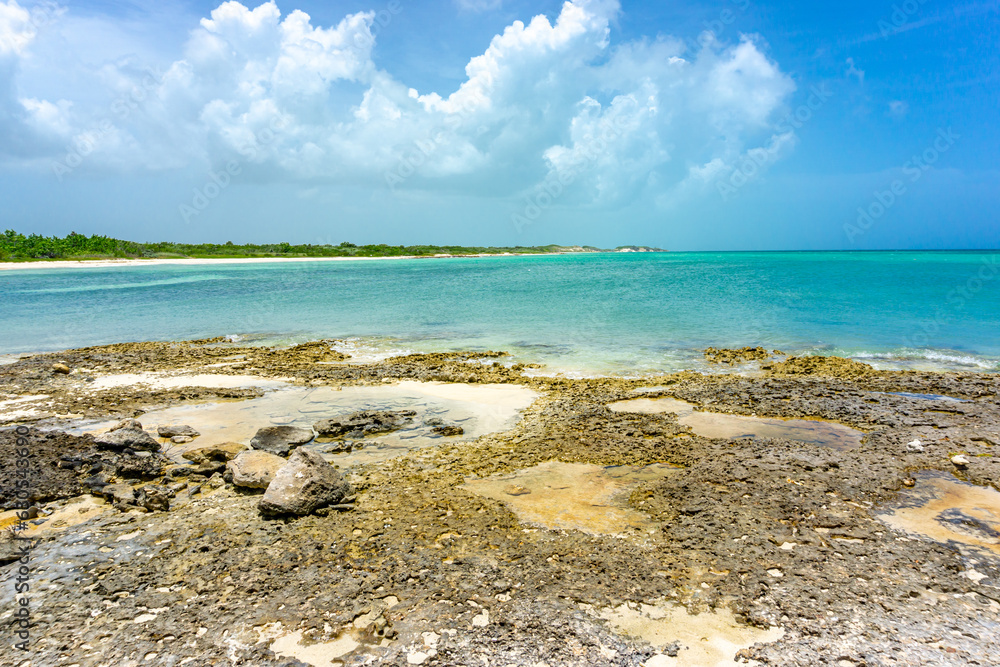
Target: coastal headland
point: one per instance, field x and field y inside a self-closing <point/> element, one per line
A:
<point x="464" y="509"/>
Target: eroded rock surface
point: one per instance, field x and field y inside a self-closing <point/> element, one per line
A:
<point x="364" y="423"/>
<point x="304" y="484"/>
<point x="254" y="469"/>
<point x="127" y="438"/>
<point x="280" y="440"/>
<point x="767" y="532"/>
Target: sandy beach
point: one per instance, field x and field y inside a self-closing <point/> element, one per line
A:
<point x="816" y="511"/>
<point x="106" y="263"/>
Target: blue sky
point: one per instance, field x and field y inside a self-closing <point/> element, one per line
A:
<point x="734" y="124"/>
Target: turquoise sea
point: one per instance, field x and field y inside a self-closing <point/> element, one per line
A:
<point x="578" y="314"/>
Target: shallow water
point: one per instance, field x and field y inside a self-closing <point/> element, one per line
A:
<point x="717" y="425"/>
<point x="478" y="409"/>
<point x="947" y="510"/>
<point x="577" y="496"/>
<point x="580" y="314"/>
<point x="711" y="639"/>
<point x="928" y="397"/>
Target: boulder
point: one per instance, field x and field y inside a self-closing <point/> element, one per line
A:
<point x="254" y="469"/>
<point x="177" y="430"/>
<point x="95" y="484"/>
<point x="127" y="438"/>
<point x="304" y="484"/>
<point x="127" y="423"/>
<point x="366" y="422"/>
<point x="227" y="451"/>
<point x="280" y="440"/>
<point x="139" y="466"/>
<point x="155" y="498"/>
<point x="121" y="495"/>
<point x="181" y="439"/>
<point x="61" y="368"/>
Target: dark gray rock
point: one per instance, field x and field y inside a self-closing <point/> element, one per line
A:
<point x="450" y="429"/>
<point x="127" y="438"/>
<point x="144" y="467"/>
<point x="154" y="498"/>
<point x="280" y="440"/>
<point x="304" y="484"/>
<point x="364" y="423"/>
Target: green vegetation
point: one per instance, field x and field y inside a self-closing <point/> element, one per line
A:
<point x="18" y="247"/>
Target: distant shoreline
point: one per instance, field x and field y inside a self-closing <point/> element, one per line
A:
<point x="105" y="263"/>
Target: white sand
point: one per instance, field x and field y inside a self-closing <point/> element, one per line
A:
<point x="105" y="263"/>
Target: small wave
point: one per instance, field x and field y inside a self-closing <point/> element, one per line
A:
<point x="148" y="283"/>
<point x="363" y="350"/>
<point x="948" y="359"/>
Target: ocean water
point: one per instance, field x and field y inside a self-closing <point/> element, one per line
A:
<point x="577" y="314"/>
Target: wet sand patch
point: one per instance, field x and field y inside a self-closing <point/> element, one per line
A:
<point x="718" y="425"/>
<point x="573" y="496"/>
<point x="945" y="509"/>
<point x="707" y="640"/>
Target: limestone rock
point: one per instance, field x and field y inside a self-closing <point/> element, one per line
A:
<point x="155" y="498"/>
<point x="121" y="495"/>
<point x="176" y="430"/>
<point x="450" y="429"/>
<point x="254" y="469"/>
<point x="134" y="424"/>
<point x="139" y="466"/>
<point x="304" y="484"/>
<point x="227" y="451"/>
<point x="61" y="368"/>
<point x="366" y="422"/>
<point x="280" y="440"/>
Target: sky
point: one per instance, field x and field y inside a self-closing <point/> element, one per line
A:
<point x="715" y="125"/>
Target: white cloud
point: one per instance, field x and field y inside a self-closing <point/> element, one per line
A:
<point x="546" y="99"/>
<point x="16" y="28"/>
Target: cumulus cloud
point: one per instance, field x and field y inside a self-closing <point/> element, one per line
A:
<point x="547" y="99"/>
<point x="28" y="126"/>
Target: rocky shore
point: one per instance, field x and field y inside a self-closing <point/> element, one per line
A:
<point x="147" y="550"/>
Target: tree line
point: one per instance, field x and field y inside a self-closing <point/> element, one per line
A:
<point x="15" y="246"/>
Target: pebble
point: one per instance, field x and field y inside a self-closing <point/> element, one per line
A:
<point x="960" y="460"/>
